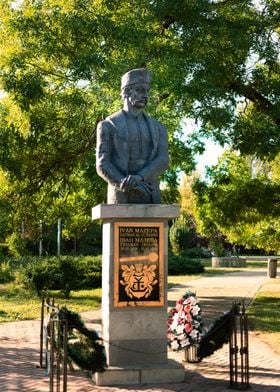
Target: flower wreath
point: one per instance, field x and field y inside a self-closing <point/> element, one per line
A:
<point x="184" y="322"/>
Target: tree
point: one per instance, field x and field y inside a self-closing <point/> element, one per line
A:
<point x="60" y="72"/>
<point x="229" y="67"/>
<point x="60" y="67"/>
<point x="241" y="201"/>
<point x="187" y="196"/>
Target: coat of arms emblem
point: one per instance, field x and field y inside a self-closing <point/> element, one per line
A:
<point x="139" y="279"/>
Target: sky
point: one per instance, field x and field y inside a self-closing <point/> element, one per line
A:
<point x="210" y="156"/>
<point x="212" y="150"/>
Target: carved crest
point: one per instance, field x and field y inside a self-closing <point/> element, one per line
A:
<point x="138" y="280"/>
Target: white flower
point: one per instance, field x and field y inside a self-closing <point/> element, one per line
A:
<point x="174" y="345"/>
<point x="180" y="329"/>
<point x="171" y="337"/>
<point x="195" y="310"/>
<point x="181" y="315"/>
<point x="185" y="323"/>
<point x="193" y="334"/>
<point x="193" y="300"/>
<point x="175" y="321"/>
<point x="184" y="342"/>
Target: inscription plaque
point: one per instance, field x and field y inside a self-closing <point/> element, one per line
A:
<point x="138" y="264"/>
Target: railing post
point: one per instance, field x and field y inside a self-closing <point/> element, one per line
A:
<point x="51" y="355"/>
<point x="239" y="356"/>
<point x="42" y="332"/>
<point x="65" y="354"/>
<point x="58" y="354"/>
<point x="55" y="334"/>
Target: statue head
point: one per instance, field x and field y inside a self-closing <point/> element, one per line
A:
<point x="134" y="76"/>
<point x="135" y="85"/>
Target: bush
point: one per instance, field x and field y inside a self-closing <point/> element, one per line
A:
<point x="90" y="269"/>
<point x="182" y="265"/>
<point x="197" y="253"/>
<point x="63" y="273"/>
<point x="6" y="272"/>
<point x="181" y="236"/>
<point x="16" y="245"/>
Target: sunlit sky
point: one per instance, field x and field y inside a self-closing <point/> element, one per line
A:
<point x="209" y="157"/>
<point x="212" y="150"/>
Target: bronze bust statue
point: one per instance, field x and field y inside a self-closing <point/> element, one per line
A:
<point x="132" y="147"/>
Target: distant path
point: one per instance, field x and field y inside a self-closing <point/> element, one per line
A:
<point x="217" y="293"/>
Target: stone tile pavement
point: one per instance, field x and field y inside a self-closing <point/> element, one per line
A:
<point x="19" y="346"/>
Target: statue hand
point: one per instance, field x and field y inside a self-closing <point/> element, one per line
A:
<point x="129" y="182"/>
<point x="145" y="188"/>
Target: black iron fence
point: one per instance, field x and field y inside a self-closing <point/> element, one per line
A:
<point x="239" y="349"/>
<point x="53" y="345"/>
<point x="232" y="329"/>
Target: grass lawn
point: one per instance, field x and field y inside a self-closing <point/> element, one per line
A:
<point x="19" y="304"/>
<point x="264" y="314"/>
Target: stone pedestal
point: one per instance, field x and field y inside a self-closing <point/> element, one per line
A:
<point x="134" y="293"/>
<point x="272" y="268"/>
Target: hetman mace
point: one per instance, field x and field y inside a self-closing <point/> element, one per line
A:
<point x="132" y="147"/>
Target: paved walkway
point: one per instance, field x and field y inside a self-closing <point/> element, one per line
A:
<point x="19" y="346"/>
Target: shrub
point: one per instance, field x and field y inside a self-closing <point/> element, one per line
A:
<point x="217" y="248"/>
<point x="182" y="265"/>
<point x="90" y="269"/>
<point x="41" y="274"/>
<point x="63" y="273"/>
<point x="16" y="245"/>
<point x="6" y="272"/>
<point x="180" y="236"/>
<point x="197" y="253"/>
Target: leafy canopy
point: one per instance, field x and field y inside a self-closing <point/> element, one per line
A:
<point x="60" y="66"/>
<point x="242" y="201"/>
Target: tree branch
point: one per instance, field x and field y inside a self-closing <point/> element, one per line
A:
<point x="261" y="102"/>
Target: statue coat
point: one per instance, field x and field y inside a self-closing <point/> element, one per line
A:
<point x="112" y="156"/>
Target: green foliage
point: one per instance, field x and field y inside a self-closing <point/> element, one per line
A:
<point x="16" y="245"/>
<point x="182" y="265"/>
<point x="218" y="248"/>
<point x="216" y="62"/>
<point x="63" y="273"/>
<point x="216" y="244"/>
<point x="197" y="253"/>
<point x="181" y="235"/>
<point x="6" y="272"/>
<point x="241" y="201"/>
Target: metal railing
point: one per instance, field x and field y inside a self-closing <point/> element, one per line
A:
<point x="53" y="343"/>
<point x="239" y="349"/>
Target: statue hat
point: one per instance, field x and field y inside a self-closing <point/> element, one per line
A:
<point x="138" y="75"/>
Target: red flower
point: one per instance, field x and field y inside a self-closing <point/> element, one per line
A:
<point x="169" y="320"/>
<point x="188" y="327"/>
<point x="188" y="317"/>
<point x="187" y="308"/>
